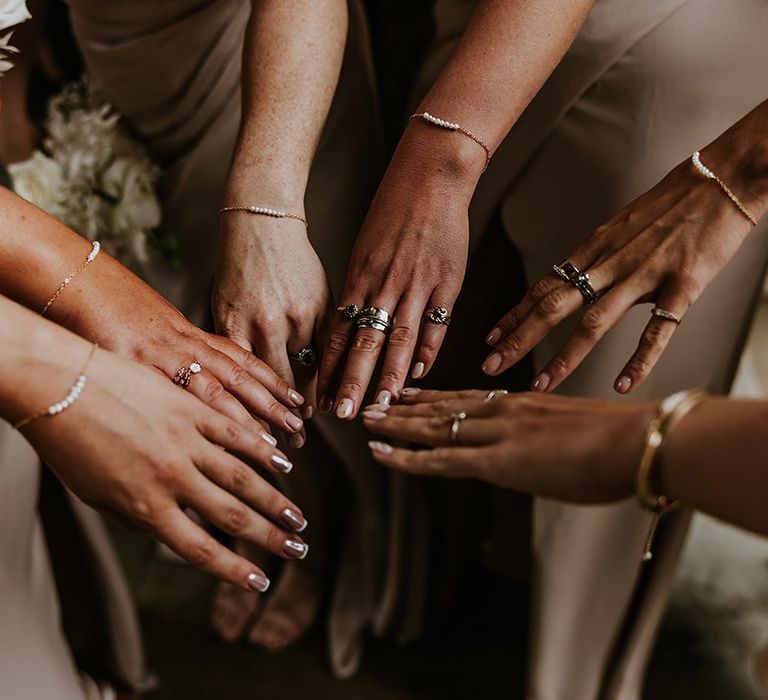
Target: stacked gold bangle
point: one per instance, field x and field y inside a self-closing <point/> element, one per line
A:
<point x="671" y="411"/>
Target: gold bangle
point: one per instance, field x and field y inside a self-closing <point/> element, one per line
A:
<point x="453" y="126"/>
<point x="671" y="411"/>
<point x="710" y="175"/>
<point x="64" y="404"/>
<point x="95" y="248"/>
<point x="266" y="211"/>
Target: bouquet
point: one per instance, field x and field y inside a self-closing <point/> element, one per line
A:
<point x="95" y="178"/>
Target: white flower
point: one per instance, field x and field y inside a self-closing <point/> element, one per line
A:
<point x="39" y="180"/>
<point x="13" y="12"/>
<point x="130" y="183"/>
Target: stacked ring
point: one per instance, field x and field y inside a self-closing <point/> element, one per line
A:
<point x="438" y="315"/>
<point x="375" y="318"/>
<point x="306" y="356"/>
<point x="185" y="373"/>
<point x="570" y="273"/>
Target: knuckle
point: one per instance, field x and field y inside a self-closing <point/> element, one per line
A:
<point x="560" y="364"/>
<point x="592" y="322"/>
<point x="140" y="510"/>
<point x="165" y="471"/>
<point x="337" y="342"/>
<point x="266" y="323"/>
<point x="654" y="335"/>
<point x="428" y="348"/>
<point x="236" y="520"/>
<point x="638" y="367"/>
<point x="238" y="375"/>
<point x="401" y="335"/>
<point x="213" y="391"/>
<point x="553" y="303"/>
<point x="240" y="478"/>
<point x="201" y="554"/>
<point x="391" y="377"/>
<point x="352" y="385"/>
<point x="512" y="319"/>
<point x="542" y="288"/>
<point x="365" y="342"/>
<point x="513" y="345"/>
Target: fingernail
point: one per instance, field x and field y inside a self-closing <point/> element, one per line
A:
<point x="325" y="404"/>
<point x="493" y="336"/>
<point x="294" y="520"/>
<point x="296" y="550"/>
<point x="384" y="398"/>
<point x="492" y="363"/>
<point x="374" y="415"/>
<point x="307" y="412"/>
<point x="269" y="438"/>
<point x="623" y="385"/>
<point x="293" y="421"/>
<point x="296" y="441"/>
<point x="282" y="464"/>
<point x="257" y="582"/>
<point x="541" y="383"/>
<point x="345" y="408"/>
<point x="410" y="391"/>
<point x="382" y="447"/>
<point x="377" y="407"/>
<point x="418" y="370"/>
<point x="296" y="397"/>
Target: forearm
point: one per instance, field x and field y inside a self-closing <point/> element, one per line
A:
<point x="716" y="460"/>
<point x="291" y="63"/>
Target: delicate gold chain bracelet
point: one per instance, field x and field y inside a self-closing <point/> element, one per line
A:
<point x="267" y="211"/>
<point x="671" y="411"/>
<point x="95" y="248"/>
<point x="710" y="175"/>
<point x="65" y="403"/>
<point x="452" y="126"/>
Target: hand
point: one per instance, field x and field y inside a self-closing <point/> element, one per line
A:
<point x="552" y="446"/>
<point x="271" y="296"/>
<point x="134" y="321"/>
<point x="135" y="446"/>
<point x="410" y="256"/>
<point x="663" y="248"/>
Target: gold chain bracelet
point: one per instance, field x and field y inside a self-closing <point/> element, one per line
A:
<point x="267" y="211"/>
<point x="710" y="175"/>
<point x="95" y="248"/>
<point x="453" y="126"/>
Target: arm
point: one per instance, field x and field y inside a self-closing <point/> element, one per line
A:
<point x="135" y="446"/>
<point x="714" y="460"/>
<point x="412" y="250"/>
<point x="270" y="294"/>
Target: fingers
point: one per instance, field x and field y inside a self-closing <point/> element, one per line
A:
<point x="191" y="542"/>
<point x="435" y="430"/>
<point x="652" y="344"/>
<point x="210" y="391"/>
<point x="413" y="395"/>
<point x="432" y="334"/>
<point x="477" y="408"/>
<point x="455" y="462"/>
<point x="332" y="362"/>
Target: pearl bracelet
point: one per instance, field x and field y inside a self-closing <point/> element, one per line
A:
<point x="267" y="211"/>
<point x="95" y="248"/>
<point x="72" y="396"/>
<point x="453" y="126"/>
<point x="707" y="173"/>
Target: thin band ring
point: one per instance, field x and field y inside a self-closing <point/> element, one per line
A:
<point x="439" y="315"/>
<point x="456" y="420"/>
<point x="184" y="375"/>
<point x="306" y="356"/>
<point x="666" y="315"/>
<point x="495" y="393"/>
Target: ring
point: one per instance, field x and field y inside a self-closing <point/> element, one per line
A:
<point x="493" y="393"/>
<point x="578" y="279"/>
<point x="560" y="273"/>
<point x="351" y="311"/>
<point x="306" y="357"/>
<point x="438" y="315"/>
<point x="374" y="317"/>
<point x="372" y="323"/>
<point x="457" y="419"/>
<point x="185" y="374"/>
<point x="666" y="315"/>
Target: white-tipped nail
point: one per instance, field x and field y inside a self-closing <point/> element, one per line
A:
<point x="281" y="464"/>
<point x="269" y="438"/>
<point x="257" y="582"/>
<point x="294" y="520"/>
<point x="418" y="370"/>
<point x="295" y="550"/>
<point x="382" y="447"/>
<point x="384" y="398"/>
<point x="345" y="408"/>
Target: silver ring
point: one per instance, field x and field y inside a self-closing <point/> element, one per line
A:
<point x="374" y="317"/>
<point x="666" y="315"/>
<point x="306" y="356"/>
<point x="457" y="420"/>
<point x="580" y="280"/>
<point x="373" y="324"/>
<point x="438" y="315"/>
<point x="493" y="393"/>
<point x="560" y="273"/>
<point x="184" y="375"/>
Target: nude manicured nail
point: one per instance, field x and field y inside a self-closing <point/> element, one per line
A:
<point x="296" y="441"/>
<point x="418" y="370"/>
<point x="623" y="385"/>
<point x="492" y="363"/>
<point x="377" y="407"/>
<point x="296" y="550"/>
<point x="307" y="412"/>
<point x="296" y="397"/>
<point x="374" y="415"/>
<point x="257" y="582"/>
<point x="384" y="398"/>
<point x="493" y="336"/>
<point x="293" y="421"/>
<point x="345" y="408"/>
<point x="541" y="383"/>
<point x="325" y="404"/>
<point x="281" y="464"/>
<point x="410" y="391"/>
<point x="294" y="520"/>
<point x="270" y="439"/>
<point x="381" y="447"/>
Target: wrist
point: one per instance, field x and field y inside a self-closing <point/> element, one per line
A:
<point x="256" y="182"/>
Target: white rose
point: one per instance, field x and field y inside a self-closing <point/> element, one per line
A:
<point x="38" y="180"/>
<point x="130" y="183"/>
<point x="13" y="12"/>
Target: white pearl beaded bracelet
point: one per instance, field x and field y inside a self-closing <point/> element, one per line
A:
<point x="95" y="248"/>
<point x="266" y="211"/>
<point x="707" y="173"/>
<point x="453" y="126"/>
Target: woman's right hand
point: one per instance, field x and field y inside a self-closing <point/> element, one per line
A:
<point x="138" y="447"/>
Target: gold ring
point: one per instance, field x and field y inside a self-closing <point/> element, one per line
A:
<point x="457" y="420"/>
<point x="666" y="315"/>
<point x="185" y="373"/>
<point x="438" y="315"/>
<point x="351" y="311"/>
<point x="374" y="317"/>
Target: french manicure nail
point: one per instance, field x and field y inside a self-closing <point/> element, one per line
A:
<point x="325" y="404"/>
<point x="492" y="363"/>
<point x="345" y="408"/>
<point x="296" y="397"/>
<point x="418" y="370"/>
<point x="269" y="438"/>
<point x="493" y="336"/>
<point x="293" y="421"/>
<point x="374" y="415"/>
<point x="623" y="385"/>
<point x="541" y="383"/>
<point x="296" y="550"/>
<point x="382" y="447"/>
<point x="294" y="520"/>
<point x="384" y="398"/>
<point x="282" y="464"/>
<point x="410" y="391"/>
<point x="296" y="441"/>
<point x="257" y="582"/>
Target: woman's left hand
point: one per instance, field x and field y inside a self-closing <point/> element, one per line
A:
<point x="556" y="447"/>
